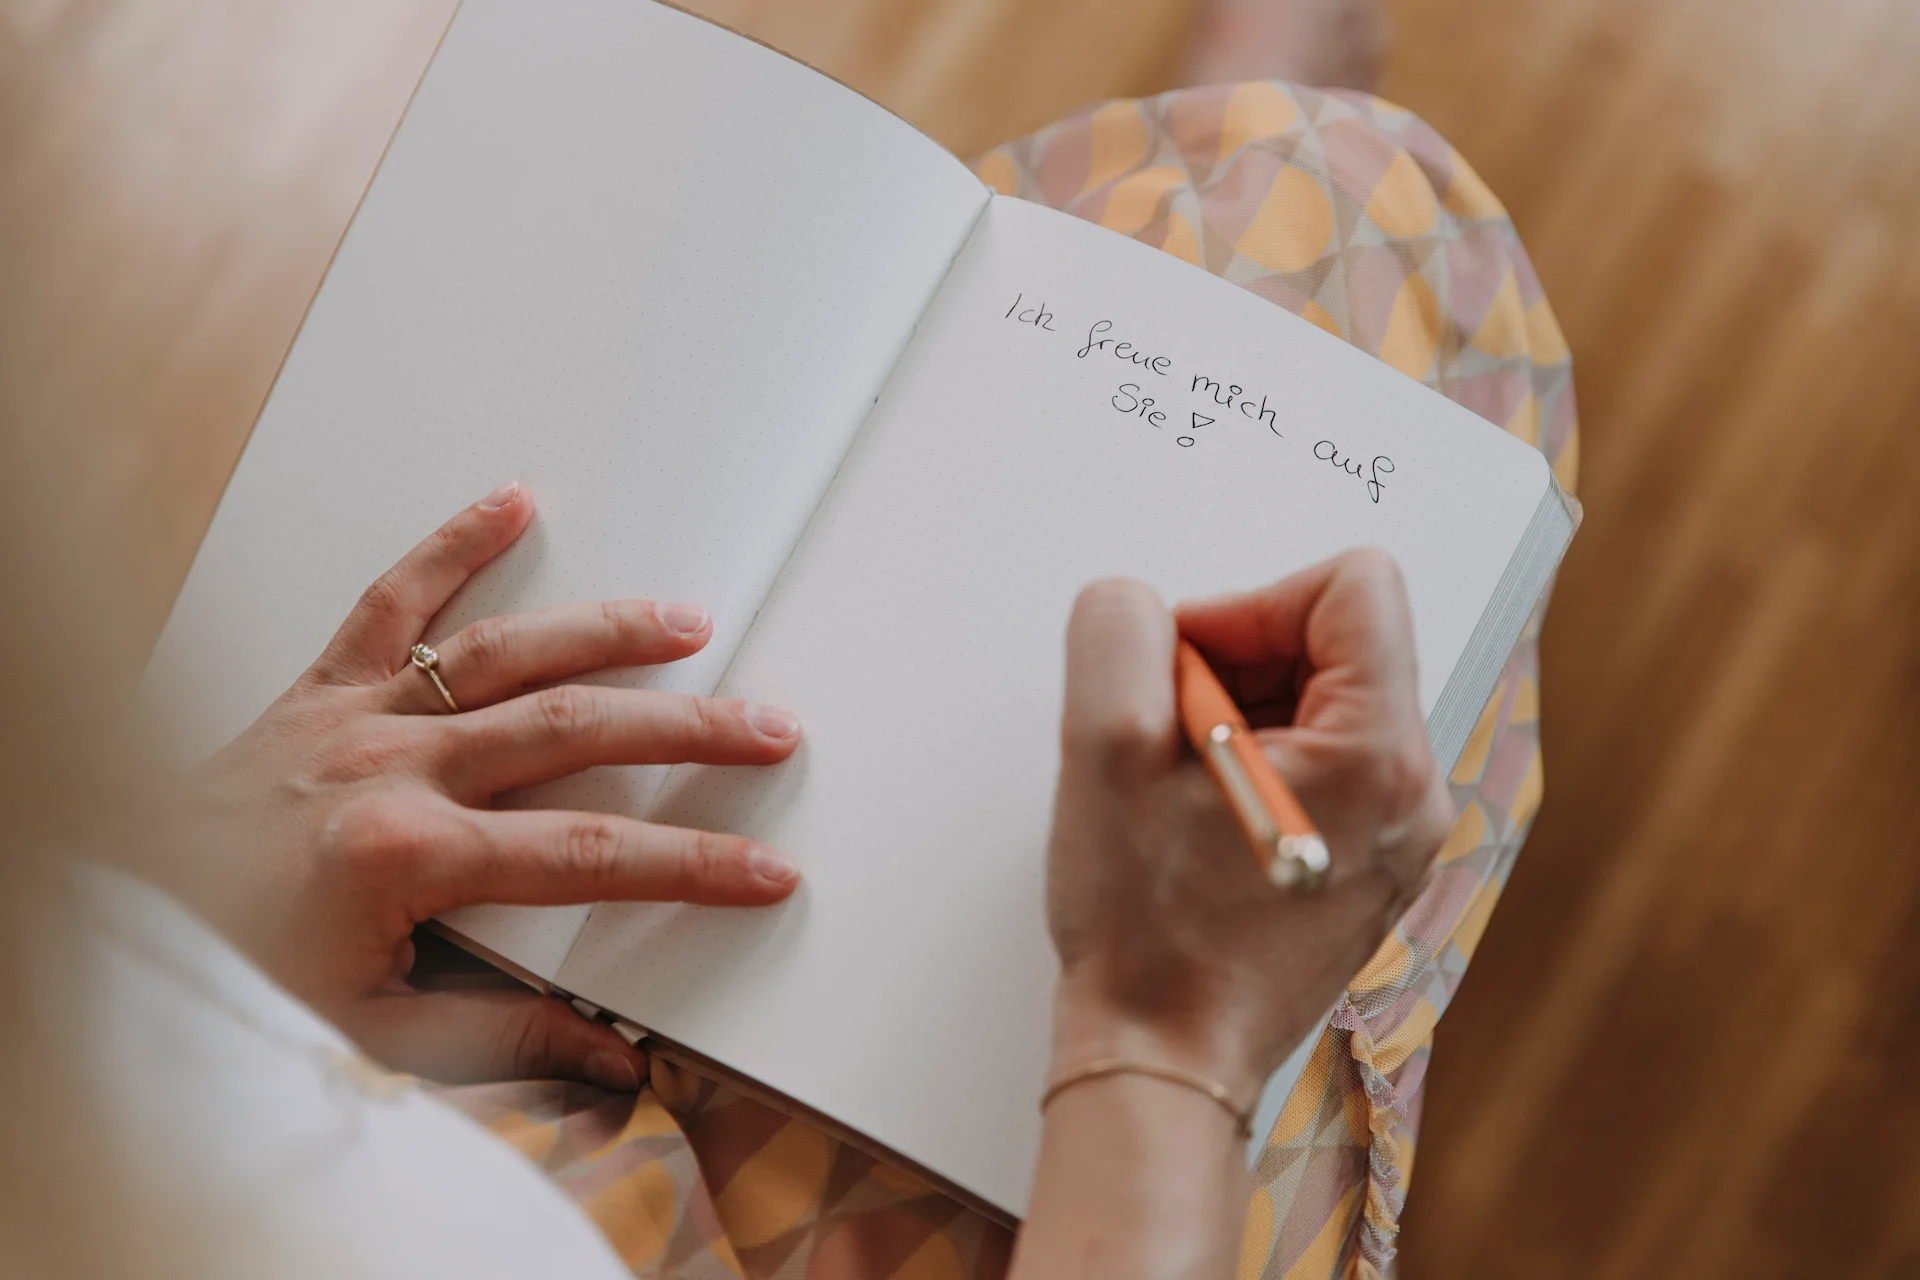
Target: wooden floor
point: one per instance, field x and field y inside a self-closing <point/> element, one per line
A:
<point x="1687" y="1044"/>
<point x="1690" y="1042"/>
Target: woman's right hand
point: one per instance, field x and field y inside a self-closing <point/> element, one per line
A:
<point x="1173" y="945"/>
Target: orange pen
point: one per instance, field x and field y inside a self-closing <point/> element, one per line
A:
<point x="1285" y="842"/>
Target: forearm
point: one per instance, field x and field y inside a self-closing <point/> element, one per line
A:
<point x="1138" y="1176"/>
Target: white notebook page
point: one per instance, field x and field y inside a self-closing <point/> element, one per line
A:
<point x="649" y="267"/>
<point x="918" y="630"/>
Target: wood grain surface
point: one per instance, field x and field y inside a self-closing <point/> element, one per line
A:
<point x="1687" y="1044"/>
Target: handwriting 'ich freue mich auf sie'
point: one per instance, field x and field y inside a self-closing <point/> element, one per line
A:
<point x="1137" y="401"/>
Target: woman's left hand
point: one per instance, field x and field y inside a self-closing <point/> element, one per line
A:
<point x="358" y="806"/>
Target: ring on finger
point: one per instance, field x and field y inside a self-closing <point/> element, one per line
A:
<point x="425" y="658"/>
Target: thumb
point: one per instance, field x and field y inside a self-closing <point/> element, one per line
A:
<point x="1119" y="699"/>
<point x="464" y="1037"/>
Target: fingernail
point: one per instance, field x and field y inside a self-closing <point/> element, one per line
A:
<point x="770" y="866"/>
<point x="612" y="1070"/>
<point x="773" y="721"/>
<point x="683" y="619"/>
<point x="502" y="496"/>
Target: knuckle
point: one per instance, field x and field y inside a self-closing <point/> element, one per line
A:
<point x="383" y="600"/>
<point x="450" y="538"/>
<point x="704" y="859"/>
<point x="1401" y="774"/>
<point x="376" y="834"/>
<point x="695" y="721"/>
<point x="707" y="719"/>
<point x="487" y="645"/>
<point x="623" y="631"/>
<point x="567" y="713"/>
<point x="591" y="851"/>
<point x="1126" y="730"/>
<point x="1117" y="742"/>
<point x="361" y="753"/>
<point x="1113" y="732"/>
<point x="332" y="667"/>
<point x="1417" y="767"/>
<point x="1436" y="821"/>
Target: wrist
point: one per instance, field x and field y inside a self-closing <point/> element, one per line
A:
<point x="1089" y="1026"/>
<point x="1137" y="1177"/>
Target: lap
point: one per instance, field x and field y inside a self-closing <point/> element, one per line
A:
<point x="1358" y="217"/>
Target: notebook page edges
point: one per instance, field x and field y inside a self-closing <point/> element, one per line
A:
<point x="1451" y="722"/>
<point x="656" y="271"/>
<point x="917" y="630"/>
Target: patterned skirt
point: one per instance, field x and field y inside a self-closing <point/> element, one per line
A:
<point x="1354" y="214"/>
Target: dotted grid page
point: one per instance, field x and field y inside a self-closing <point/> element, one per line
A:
<point x="654" y="270"/>
<point x="918" y="628"/>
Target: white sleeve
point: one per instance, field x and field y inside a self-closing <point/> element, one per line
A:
<point x="264" y="1155"/>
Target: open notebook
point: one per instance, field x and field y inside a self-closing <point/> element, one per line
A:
<point x="754" y="342"/>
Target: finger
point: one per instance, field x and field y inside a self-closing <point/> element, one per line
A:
<point x="1348" y="615"/>
<point x="544" y="857"/>
<point x="391" y="614"/>
<point x="1119" y="698"/>
<point x="499" y="658"/>
<point x="559" y="731"/>
<point x="465" y="1037"/>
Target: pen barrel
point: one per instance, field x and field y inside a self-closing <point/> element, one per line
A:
<point x="1264" y="779"/>
<point x="1202" y="700"/>
<point x="1236" y="785"/>
<point x="1281" y="836"/>
<point x="1295" y="859"/>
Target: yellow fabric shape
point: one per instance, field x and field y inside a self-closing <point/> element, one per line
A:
<point x="1544" y="342"/>
<point x="1256" y="1235"/>
<point x="1403" y="203"/>
<point x="1392" y="958"/>
<point x="1257" y="109"/>
<point x="1467" y="934"/>
<point x="780" y="1183"/>
<point x="1467" y="195"/>
<point x="1469" y="832"/>
<point x="1505" y="331"/>
<point x="1181" y="242"/>
<point x="936" y="1259"/>
<point x="637" y="1214"/>
<point x="997" y="171"/>
<point x="1314" y="313"/>
<point x="1525" y="422"/>
<point x="1294" y="225"/>
<point x="1136" y="198"/>
<point x="1413" y="330"/>
<point x="1473" y="757"/>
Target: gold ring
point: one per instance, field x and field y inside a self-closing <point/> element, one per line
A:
<point x="428" y="661"/>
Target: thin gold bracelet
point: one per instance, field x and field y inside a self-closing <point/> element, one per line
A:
<point x="1101" y="1068"/>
